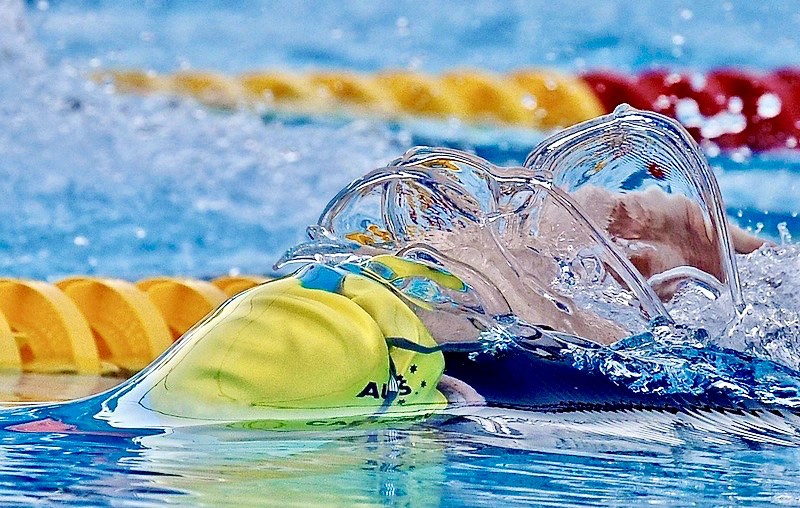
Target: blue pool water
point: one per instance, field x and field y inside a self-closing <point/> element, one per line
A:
<point x="93" y="182"/>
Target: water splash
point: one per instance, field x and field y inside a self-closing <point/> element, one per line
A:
<point x="769" y="327"/>
<point x="633" y="153"/>
<point x="540" y="232"/>
<point x="445" y="202"/>
<point x="669" y="360"/>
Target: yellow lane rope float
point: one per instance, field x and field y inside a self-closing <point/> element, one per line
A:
<point x="95" y="325"/>
<point x="183" y="302"/>
<point x="531" y="98"/>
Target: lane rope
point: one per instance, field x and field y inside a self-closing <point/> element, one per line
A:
<point x="532" y="98"/>
<point x="97" y="325"/>
<point x="730" y="108"/>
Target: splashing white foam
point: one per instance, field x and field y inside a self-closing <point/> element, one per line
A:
<point x="770" y="326"/>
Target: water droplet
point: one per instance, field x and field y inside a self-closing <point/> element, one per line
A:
<point x="735" y="104"/>
<point x="768" y="105"/>
<point x="786" y="237"/>
<point x="662" y="102"/>
<point x="529" y="102"/>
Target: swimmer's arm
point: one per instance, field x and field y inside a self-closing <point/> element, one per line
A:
<point x="459" y="393"/>
<point x="744" y="242"/>
<point x="674" y="227"/>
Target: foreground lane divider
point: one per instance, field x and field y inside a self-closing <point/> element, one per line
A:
<point x="128" y="328"/>
<point x="732" y="108"/>
<point x="52" y="334"/>
<point x="234" y="284"/>
<point x="95" y="325"/>
<point x="182" y="302"/>
<point x="9" y="351"/>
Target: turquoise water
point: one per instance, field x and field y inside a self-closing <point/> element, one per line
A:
<point x="606" y="459"/>
<point x="98" y="183"/>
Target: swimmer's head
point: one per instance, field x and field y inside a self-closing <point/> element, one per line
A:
<point x="324" y="343"/>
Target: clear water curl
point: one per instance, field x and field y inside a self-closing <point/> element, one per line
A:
<point x="539" y="249"/>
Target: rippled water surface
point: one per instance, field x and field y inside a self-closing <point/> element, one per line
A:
<point x="593" y="459"/>
<point x="93" y="182"/>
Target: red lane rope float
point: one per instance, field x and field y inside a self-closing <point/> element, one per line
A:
<point x="731" y="108"/>
<point x="94" y="325"/>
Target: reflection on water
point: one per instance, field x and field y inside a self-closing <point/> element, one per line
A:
<point x="588" y="459"/>
<point x="16" y="387"/>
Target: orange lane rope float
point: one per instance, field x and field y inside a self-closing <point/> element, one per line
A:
<point x="96" y="325"/>
<point x="763" y="109"/>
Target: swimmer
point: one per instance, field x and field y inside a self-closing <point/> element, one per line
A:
<point x="342" y="346"/>
<point x="379" y="325"/>
<point x="391" y="312"/>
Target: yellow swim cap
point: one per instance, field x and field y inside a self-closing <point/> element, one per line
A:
<point x="305" y="348"/>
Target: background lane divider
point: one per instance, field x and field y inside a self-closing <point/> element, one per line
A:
<point x="732" y="108"/>
<point x="540" y="99"/>
<point x="96" y="325"/>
